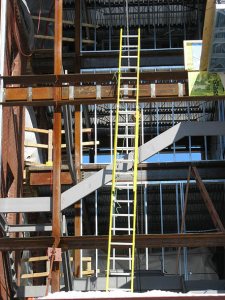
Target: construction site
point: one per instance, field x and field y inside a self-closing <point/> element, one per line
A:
<point x="112" y="145"/>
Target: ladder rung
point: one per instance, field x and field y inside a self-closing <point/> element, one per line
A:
<point x="120" y="274"/>
<point x="119" y="172"/>
<point x="130" y="46"/>
<point x="125" y="160"/>
<point x="129" y="56"/>
<point x="128" y="78"/>
<point x="128" y="100"/>
<point x="129" y="67"/>
<point x="128" y="89"/>
<point x="123" y="215"/>
<point x="123" y="201"/>
<point x="120" y="136"/>
<point x="126" y="187"/>
<point x="121" y="244"/>
<point x="120" y="258"/>
<point x="126" y="124"/>
<point x="125" y="148"/>
<point x="122" y="229"/>
<point x="127" y="112"/>
<point x="130" y="36"/>
<point x="124" y="173"/>
<point x="120" y="289"/>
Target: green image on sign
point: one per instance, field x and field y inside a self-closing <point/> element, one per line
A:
<point x="205" y="84"/>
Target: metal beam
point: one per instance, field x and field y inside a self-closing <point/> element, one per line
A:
<point x="147" y="150"/>
<point x="100" y="242"/>
<point x="47" y="99"/>
<point x="87" y="92"/>
<point x="24" y="205"/>
<point x="57" y="137"/>
<point x="29" y="228"/>
<point x="101" y="78"/>
<point x="146" y="172"/>
<point x="104" y="176"/>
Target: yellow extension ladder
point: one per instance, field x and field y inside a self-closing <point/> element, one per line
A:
<point x="123" y="211"/>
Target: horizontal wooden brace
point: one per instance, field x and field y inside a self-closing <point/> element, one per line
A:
<point x="65" y="22"/>
<point x="64" y="39"/>
<point x="34" y="275"/>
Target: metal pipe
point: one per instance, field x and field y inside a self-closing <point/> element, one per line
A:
<point x="81" y="233"/>
<point x="178" y="224"/>
<point x="146" y="223"/>
<point x="162" y="228"/>
<point x="96" y="232"/>
<point x="2" y="63"/>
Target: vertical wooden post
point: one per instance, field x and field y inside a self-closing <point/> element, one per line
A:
<point x="57" y="121"/>
<point x="77" y="206"/>
<point x="50" y="148"/>
<point x="77" y="132"/>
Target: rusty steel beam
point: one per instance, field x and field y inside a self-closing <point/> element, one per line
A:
<point x="208" y="201"/>
<point x="57" y="135"/>
<point x="216" y="239"/>
<point x="86" y="79"/>
<point x="45" y="178"/>
<point x="208" y="170"/>
<point x="77" y="138"/>
<point x="38" y="102"/>
<point x="88" y="92"/>
<point x="77" y="206"/>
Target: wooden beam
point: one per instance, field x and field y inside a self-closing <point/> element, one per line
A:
<point x="207" y="34"/>
<point x="64" y="39"/>
<point x="65" y="22"/>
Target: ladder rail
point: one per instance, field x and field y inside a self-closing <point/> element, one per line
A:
<point x="136" y="164"/>
<point x="114" y="163"/>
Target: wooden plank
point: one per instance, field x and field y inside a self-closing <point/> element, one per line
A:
<point x="34" y="259"/>
<point x="87" y="130"/>
<point x="65" y="39"/>
<point x="207" y="34"/>
<point x="65" y="22"/>
<point x="38" y="130"/>
<point x="91" y="143"/>
<point x="33" y="145"/>
<point x="50" y="37"/>
<point x="34" y="275"/>
<point x="86" y="258"/>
